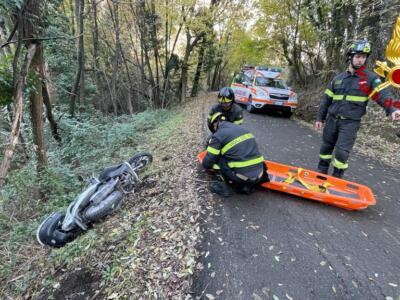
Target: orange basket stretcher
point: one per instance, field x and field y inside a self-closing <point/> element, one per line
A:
<point x="316" y="186"/>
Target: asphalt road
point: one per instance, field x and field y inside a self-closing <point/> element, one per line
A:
<point x="272" y="245"/>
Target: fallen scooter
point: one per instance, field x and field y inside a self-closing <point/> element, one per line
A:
<point x="103" y="196"/>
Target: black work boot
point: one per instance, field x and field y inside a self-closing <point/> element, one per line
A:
<point x="323" y="166"/>
<point x="220" y="188"/>
<point x="338" y="173"/>
<point x="248" y="189"/>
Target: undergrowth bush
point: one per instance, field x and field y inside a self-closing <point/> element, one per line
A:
<point x="90" y="142"/>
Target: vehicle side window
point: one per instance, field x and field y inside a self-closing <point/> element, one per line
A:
<point x="248" y="75"/>
<point x="269" y="82"/>
<point x="260" y="81"/>
<point x="246" y="79"/>
<point x="237" y="78"/>
<point x="280" y="84"/>
<point x="241" y="78"/>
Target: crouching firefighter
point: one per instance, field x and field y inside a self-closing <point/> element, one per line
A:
<point x="232" y="111"/>
<point x="233" y="152"/>
<point x="344" y="104"/>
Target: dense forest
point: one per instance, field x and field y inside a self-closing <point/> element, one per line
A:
<point x="82" y="77"/>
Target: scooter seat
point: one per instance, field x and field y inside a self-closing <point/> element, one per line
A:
<point x="113" y="171"/>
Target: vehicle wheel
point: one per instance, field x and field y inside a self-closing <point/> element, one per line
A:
<point x="140" y="161"/>
<point x="49" y="232"/>
<point x="250" y="108"/>
<point x="104" y="208"/>
<point x="287" y="114"/>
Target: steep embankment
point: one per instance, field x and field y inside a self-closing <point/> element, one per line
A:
<point x="147" y="249"/>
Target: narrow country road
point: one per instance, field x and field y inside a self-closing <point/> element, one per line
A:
<point x="272" y="245"/>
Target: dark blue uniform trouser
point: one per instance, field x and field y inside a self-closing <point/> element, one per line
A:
<point x="338" y="134"/>
<point x="239" y="184"/>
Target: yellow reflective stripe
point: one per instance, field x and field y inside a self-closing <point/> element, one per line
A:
<point x="216" y="167"/>
<point x="329" y="93"/>
<point x="357" y="98"/>
<point x="350" y="98"/>
<point x="213" y="150"/>
<point x="214" y="116"/>
<point x="236" y="141"/>
<point x="239" y="122"/>
<point x="327" y="156"/>
<point x="247" y="163"/>
<point x="339" y="164"/>
<point x="337" y="97"/>
<point x="224" y="100"/>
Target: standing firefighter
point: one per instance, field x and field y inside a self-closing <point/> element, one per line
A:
<point x="233" y="151"/>
<point x="226" y="105"/>
<point x="344" y="104"/>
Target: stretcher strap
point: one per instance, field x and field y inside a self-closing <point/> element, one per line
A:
<point x="323" y="188"/>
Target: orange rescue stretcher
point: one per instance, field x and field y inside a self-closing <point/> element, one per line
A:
<point x="316" y="186"/>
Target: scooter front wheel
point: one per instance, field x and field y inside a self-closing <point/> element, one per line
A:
<point x="49" y="232"/>
<point x="139" y="161"/>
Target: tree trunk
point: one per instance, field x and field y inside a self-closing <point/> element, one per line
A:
<point x="114" y="10"/>
<point x="196" y="79"/>
<point x="166" y="43"/>
<point x="32" y="28"/>
<point x="129" y="102"/>
<point x="36" y="107"/>
<point x="75" y="93"/>
<point x="209" y="80"/>
<point x="296" y="52"/>
<point x="181" y="92"/>
<point x="49" y="83"/>
<point x="15" y="129"/>
<point x="375" y="9"/>
<point x="18" y="49"/>
<point x="184" y="74"/>
<point x="95" y="33"/>
<point x="6" y="50"/>
<point x="49" y="114"/>
<point x="214" y="82"/>
<point x="21" y="137"/>
<point x="71" y="7"/>
<point x="131" y="85"/>
<point x="206" y="42"/>
<point x="156" y="89"/>
<point x="76" y="14"/>
<point x="169" y="65"/>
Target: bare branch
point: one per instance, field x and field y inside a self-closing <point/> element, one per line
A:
<point x="40" y="39"/>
